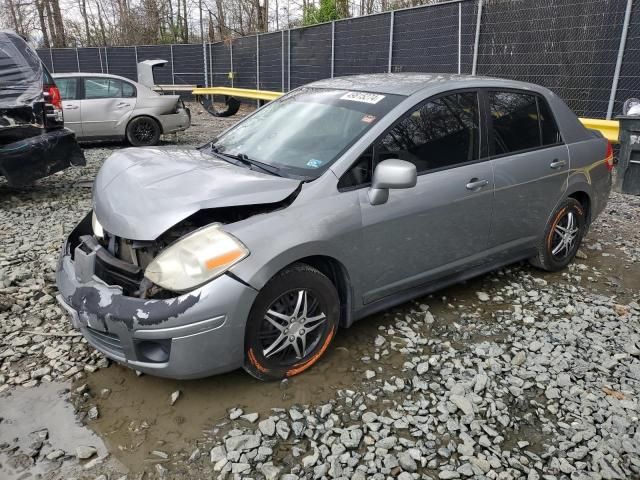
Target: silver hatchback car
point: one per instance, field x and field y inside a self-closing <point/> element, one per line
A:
<point x="109" y="107"/>
<point x="342" y="198"/>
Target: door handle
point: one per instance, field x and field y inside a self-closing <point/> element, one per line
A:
<point x="122" y="105"/>
<point x="557" y="164"/>
<point x="70" y="107"/>
<point x="476" y="184"/>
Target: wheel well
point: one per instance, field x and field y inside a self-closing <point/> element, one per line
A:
<point x="147" y="116"/>
<point x="585" y="201"/>
<point x="337" y="273"/>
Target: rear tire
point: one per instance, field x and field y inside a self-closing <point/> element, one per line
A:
<point x="143" y="132"/>
<point x="291" y="324"/>
<point x="562" y="237"/>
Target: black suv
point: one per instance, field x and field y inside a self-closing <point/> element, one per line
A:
<point x="33" y="140"/>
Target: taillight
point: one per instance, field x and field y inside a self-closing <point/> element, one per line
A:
<point x="52" y="95"/>
<point x="609" y="160"/>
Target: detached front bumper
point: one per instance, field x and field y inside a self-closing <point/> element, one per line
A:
<point x="194" y="335"/>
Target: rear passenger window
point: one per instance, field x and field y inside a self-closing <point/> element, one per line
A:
<point x="521" y="122"/>
<point x="68" y="88"/>
<point x="441" y="133"/>
<point x="550" y="133"/>
<point x="515" y="122"/>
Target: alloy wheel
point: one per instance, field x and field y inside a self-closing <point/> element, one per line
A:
<point x="144" y="131"/>
<point x="292" y="327"/>
<point x="565" y="234"/>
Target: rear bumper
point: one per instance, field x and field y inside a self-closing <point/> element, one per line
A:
<point x="27" y="160"/>
<point x="175" y="122"/>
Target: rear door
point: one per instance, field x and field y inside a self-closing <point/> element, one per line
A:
<point x="107" y="106"/>
<point x="531" y="165"/>
<point x="70" y="93"/>
<point x="440" y="224"/>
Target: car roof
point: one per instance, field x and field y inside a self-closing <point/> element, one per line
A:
<point x="88" y="74"/>
<point x="410" y="83"/>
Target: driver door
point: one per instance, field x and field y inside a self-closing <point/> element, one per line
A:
<point x="438" y="226"/>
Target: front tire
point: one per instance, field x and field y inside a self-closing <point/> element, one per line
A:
<point x="562" y="237"/>
<point x="143" y="132"/>
<point x="291" y="324"/>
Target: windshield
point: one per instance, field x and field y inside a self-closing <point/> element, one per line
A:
<point x="304" y="132"/>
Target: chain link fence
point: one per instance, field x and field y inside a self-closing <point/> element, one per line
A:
<point x="586" y="51"/>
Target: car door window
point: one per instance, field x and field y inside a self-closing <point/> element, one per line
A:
<point x="68" y="88"/>
<point x="103" y="88"/>
<point x="128" y="90"/>
<point x="548" y="126"/>
<point x="441" y="133"/>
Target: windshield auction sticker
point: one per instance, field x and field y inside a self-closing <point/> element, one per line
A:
<point x="363" y="97"/>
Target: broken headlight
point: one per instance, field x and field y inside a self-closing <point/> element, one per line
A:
<point x="196" y="259"/>
<point x="98" y="231"/>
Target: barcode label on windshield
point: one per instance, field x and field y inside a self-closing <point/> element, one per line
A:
<point x="363" y="97"/>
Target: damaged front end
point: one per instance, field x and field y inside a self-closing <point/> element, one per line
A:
<point x="188" y="335"/>
<point x="102" y="285"/>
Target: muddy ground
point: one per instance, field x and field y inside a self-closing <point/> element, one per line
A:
<point x="483" y="379"/>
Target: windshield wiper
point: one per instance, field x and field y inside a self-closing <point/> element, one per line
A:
<point x="244" y="158"/>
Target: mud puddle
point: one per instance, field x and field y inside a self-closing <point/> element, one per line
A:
<point x="34" y="423"/>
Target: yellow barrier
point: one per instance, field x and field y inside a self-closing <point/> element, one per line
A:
<point x="609" y="128"/>
<point x="238" y="92"/>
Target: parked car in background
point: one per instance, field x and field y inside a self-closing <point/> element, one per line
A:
<point x="340" y="199"/>
<point x="109" y="107"/>
<point x="33" y="140"/>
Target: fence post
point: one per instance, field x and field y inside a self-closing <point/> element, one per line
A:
<point x="53" y="68"/>
<point x="392" y="21"/>
<point x="289" y="60"/>
<point x="173" y="75"/>
<point x="233" y="74"/>
<point x="135" y="50"/>
<point x="106" y="59"/>
<point x="476" y="43"/>
<point x="204" y="60"/>
<point x="258" y="61"/>
<point x="333" y="46"/>
<point x="459" y="38"/>
<point x="77" y="59"/>
<point x="211" y="77"/>
<point x="100" y="57"/>
<point x="621" y="49"/>
<point x="282" y="60"/>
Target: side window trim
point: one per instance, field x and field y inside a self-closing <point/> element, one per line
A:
<point x="489" y="119"/>
<point x="482" y="127"/>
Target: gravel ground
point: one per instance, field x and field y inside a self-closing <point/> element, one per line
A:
<point x="518" y="374"/>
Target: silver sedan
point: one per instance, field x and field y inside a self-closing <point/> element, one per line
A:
<point x="108" y="107"/>
<point x="343" y="198"/>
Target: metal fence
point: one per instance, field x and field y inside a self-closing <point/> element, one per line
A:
<point x="587" y="51"/>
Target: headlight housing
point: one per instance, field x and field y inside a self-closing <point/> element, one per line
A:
<point x="98" y="231"/>
<point x="196" y="259"/>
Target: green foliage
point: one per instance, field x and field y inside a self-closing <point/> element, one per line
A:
<point x="326" y="11"/>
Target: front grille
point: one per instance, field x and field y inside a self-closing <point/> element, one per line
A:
<point x="105" y="341"/>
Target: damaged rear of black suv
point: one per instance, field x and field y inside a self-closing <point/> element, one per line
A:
<point x="33" y="140"/>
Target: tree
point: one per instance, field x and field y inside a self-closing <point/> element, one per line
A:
<point x="326" y="11"/>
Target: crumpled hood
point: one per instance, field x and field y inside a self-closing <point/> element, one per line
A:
<point x="139" y="193"/>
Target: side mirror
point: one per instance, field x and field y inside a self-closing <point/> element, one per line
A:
<point x="392" y="173"/>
